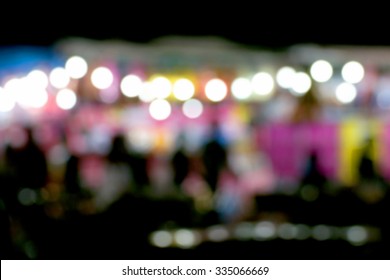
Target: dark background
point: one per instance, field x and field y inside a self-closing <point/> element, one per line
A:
<point x="256" y="24"/>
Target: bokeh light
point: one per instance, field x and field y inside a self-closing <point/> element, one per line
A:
<point x="7" y="101"/>
<point x="192" y="108"/>
<point x="102" y="77"/>
<point x="285" y="77"/>
<point x="352" y="72"/>
<point x="302" y="84"/>
<point x="59" y="78"/>
<point x="216" y="90"/>
<point x="183" y="89"/>
<point x="66" y="99"/>
<point x="76" y="67"/>
<point x="241" y="88"/>
<point x="131" y="86"/>
<point x="160" y="109"/>
<point x="346" y="93"/>
<point x="262" y="83"/>
<point x="321" y="71"/>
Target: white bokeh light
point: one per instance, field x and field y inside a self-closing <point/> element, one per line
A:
<point x="357" y="235"/>
<point x="285" y="77"/>
<point x="28" y="92"/>
<point x="352" y="72"/>
<point x="38" y="79"/>
<point x="161" y="238"/>
<point x="302" y="84"/>
<point x="76" y="67"/>
<point x="66" y="99"/>
<point x="185" y="238"/>
<point x="241" y="88"/>
<point x="262" y="83"/>
<point x="192" y="108"/>
<point x="160" y="109"/>
<point x="183" y="89"/>
<point x="321" y="71"/>
<point x="36" y="98"/>
<point x="131" y="86"/>
<point x="102" y="77"/>
<point x="161" y="87"/>
<point x="216" y="90"/>
<point x="59" y="78"/>
<point x="346" y="93"/>
<point x="7" y="102"/>
<point x="147" y="94"/>
<point x="265" y="230"/>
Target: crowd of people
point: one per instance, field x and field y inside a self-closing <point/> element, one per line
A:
<point x="53" y="204"/>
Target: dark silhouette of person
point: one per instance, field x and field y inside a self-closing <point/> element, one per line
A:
<point x="120" y="159"/>
<point x="366" y="166"/>
<point x="371" y="184"/>
<point x="136" y="163"/>
<point x="72" y="177"/>
<point x="180" y="162"/>
<point x="28" y="163"/>
<point x="312" y="174"/>
<point x="139" y="165"/>
<point x="214" y="157"/>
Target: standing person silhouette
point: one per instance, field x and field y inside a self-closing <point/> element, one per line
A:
<point x="180" y="163"/>
<point x="27" y="161"/>
<point x="214" y="157"/>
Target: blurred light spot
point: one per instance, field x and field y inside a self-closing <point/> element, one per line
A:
<point x="321" y="71"/>
<point x="383" y="98"/>
<point x="147" y="95"/>
<point x="216" y="90"/>
<point x="59" y="78"/>
<point x="262" y="83"/>
<point x="7" y="101"/>
<point x="38" y="98"/>
<point x="76" y="67"/>
<point x="244" y="231"/>
<point x="38" y="79"/>
<point x="27" y="197"/>
<point x="58" y="154"/>
<point x="302" y="83"/>
<point x="161" y="238"/>
<point x="346" y="93"/>
<point x="265" y="230"/>
<point x="285" y="77"/>
<point x="13" y="86"/>
<point x="321" y="232"/>
<point x="241" y="88"/>
<point x="352" y="72"/>
<point x="66" y="99"/>
<point x="160" y="109"/>
<point x="217" y="233"/>
<point x="141" y="140"/>
<point x="183" y="89"/>
<point x="161" y="87"/>
<point x="357" y="235"/>
<point x="102" y="77"/>
<point x="192" y="108"/>
<point x="287" y="231"/>
<point x="29" y="92"/>
<point x="185" y="238"/>
<point x="131" y="86"/>
<point x="303" y="232"/>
